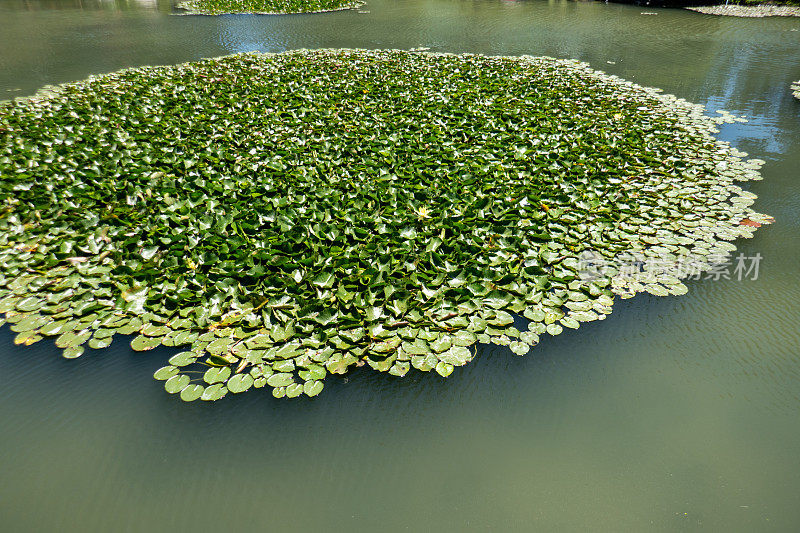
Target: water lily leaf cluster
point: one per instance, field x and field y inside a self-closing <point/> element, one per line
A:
<point x="264" y="7"/>
<point x="282" y="217"/>
<point x="796" y="89"/>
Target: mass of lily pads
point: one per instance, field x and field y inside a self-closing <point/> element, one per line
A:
<point x="264" y="7"/>
<point x="282" y="217"/>
<point x="796" y="89"/>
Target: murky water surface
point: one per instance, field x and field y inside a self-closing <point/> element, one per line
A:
<point x="678" y="413"/>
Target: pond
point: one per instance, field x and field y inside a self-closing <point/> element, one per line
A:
<point x="673" y="413"/>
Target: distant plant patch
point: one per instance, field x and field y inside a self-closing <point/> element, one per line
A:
<point x="264" y="7"/>
<point x="288" y="216"/>
<point x="796" y="89"/>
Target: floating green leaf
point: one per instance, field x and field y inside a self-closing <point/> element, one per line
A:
<point x="280" y="380"/>
<point x="217" y="375"/>
<point x="72" y="339"/>
<point x="183" y="359"/>
<point x="444" y="369"/>
<point x="214" y="392"/>
<point x="99" y="343"/>
<point x="312" y="388"/>
<point x="175" y="384"/>
<point x="240" y="383"/>
<point x="294" y="390"/>
<point x="519" y="348"/>
<point x="340" y="208"/>
<point x="27" y="338"/>
<point x="142" y="343"/>
<point x="263" y="7"/>
<point x="164" y="373"/>
<point x="455" y="355"/>
<point x="72" y="352"/>
<point x="192" y="392"/>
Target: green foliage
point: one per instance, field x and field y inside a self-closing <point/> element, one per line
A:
<point x="293" y="215"/>
<point x="767" y="3"/>
<point x="695" y="3"/>
<point x="220" y="7"/>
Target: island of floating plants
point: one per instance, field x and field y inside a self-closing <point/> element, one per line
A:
<point x="282" y="217"/>
<point x="796" y="89"/>
<point x="264" y="7"/>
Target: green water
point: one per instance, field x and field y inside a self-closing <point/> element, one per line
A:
<point x="679" y="413"/>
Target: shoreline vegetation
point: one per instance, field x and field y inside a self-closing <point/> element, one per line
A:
<point x="408" y="206"/>
<point x="264" y="7"/>
<point x="743" y="8"/>
<point x="749" y="11"/>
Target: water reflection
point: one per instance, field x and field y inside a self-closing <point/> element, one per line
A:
<point x="164" y="6"/>
<point x="237" y="33"/>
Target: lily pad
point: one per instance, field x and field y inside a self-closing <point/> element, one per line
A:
<point x="240" y="383"/>
<point x="456" y="356"/>
<point x="307" y="226"/>
<point x="183" y="359"/>
<point x="26" y="338"/>
<point x="217" y="375"/>
<point x="294" y="390"/>
<point x="214" y="392"/>
<point x="175" y="384"/>
<point x="444" y="369"/>
<point x="72" y="339"/>
<point x="312" y="388"/>
<point x="165" y="373"/>
<point x="280" y="380"/>
<point x="100" y="343"/>
<point x="72" y="352"/>
<point x="192" y="392"/>
<point x="519" y="348"/>
<point x="141" y="343"/>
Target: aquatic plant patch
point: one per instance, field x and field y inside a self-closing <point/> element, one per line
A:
<point x="758" y="10"/>
<point x="796" y="89"/>
<point x="264" y="7"/>
<point x="284" y="217"/>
